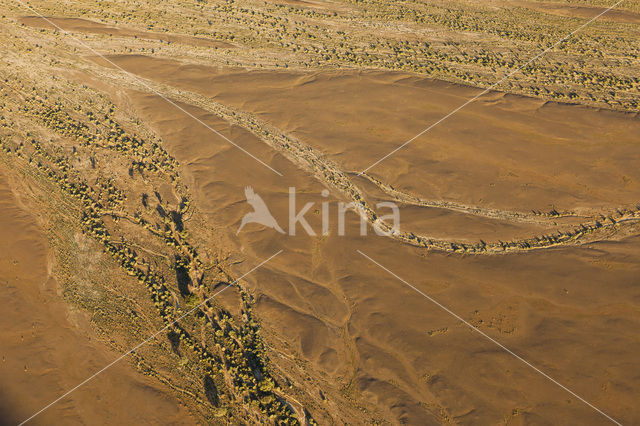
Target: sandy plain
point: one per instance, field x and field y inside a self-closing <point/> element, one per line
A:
<point x="366" y="330"/>
<point x="361" y="344"/>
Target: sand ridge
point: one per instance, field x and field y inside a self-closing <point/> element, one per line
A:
<point x="334" y="265"/>
<point x="47" y="348"/>
<point x="598" y="225"/>
<point x="346" y="342"/>
<point x="79" y="25"/>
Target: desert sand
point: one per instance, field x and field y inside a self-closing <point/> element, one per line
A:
<point x="399" y="351"/>
<point x="48" y="348"/>
<point x="561" y="9"/>
<point x="509" y="295"/>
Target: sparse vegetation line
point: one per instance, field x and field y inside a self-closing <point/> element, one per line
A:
<point x="234" y="352"/>
<point x="307" y="158"/>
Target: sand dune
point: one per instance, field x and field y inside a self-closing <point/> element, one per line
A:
<point x="328" y="112"/>
<point x="400" y="353"/>
<point x="78" y="25"/>
<point x="48" y="348"/>
<point x="346" y="340"/>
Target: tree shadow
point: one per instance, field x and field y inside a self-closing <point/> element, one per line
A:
<point x="210" y="391"/>
<point x="183" y="279"/>
<point x="174" y="339"/>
